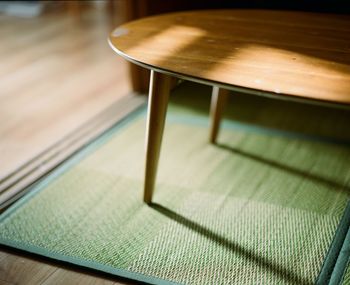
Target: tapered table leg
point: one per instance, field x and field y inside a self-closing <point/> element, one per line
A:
<point x="218" y="102"/>
<point x="157" y="106"/>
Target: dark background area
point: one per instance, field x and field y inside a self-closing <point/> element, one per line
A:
<point x="340" y="6"/>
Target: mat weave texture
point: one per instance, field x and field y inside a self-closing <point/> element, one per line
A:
<point x="258" y="208"/>
<point x="346" y="280"/>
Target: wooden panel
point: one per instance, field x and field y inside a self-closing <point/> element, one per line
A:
<point x="281" y="53"/>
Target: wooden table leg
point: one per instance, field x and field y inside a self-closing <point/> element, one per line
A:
<point x="218" y="102"/>
<point x="157" y="106"/>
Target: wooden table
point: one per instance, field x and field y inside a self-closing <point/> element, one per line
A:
<point x="287" y="55"/>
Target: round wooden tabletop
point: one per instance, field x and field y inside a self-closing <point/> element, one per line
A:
<point x="258" y="51"/>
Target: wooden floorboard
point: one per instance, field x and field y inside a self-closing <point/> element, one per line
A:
<point x="56" y="73"/>
<point x="63" y="276"/>
<point x="16" y="185"/>
<point x="18" y="267"/>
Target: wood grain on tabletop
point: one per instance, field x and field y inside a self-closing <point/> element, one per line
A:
<point x="291" y="53"/>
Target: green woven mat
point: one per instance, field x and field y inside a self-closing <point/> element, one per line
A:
<point x="341" y="271"/>
<point x="346" y="280"/>
<point x="261" y="207"/>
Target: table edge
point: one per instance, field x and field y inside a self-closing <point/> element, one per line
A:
<point x="241" y="89"/>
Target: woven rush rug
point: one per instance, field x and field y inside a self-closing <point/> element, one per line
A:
<point x="346" y="278"/>
<point x="341" y="272"/>
<point x="263" y="206"/>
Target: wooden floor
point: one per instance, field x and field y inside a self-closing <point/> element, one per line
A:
<point x="55" y="74"/>
<point x="19" y="268"/>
